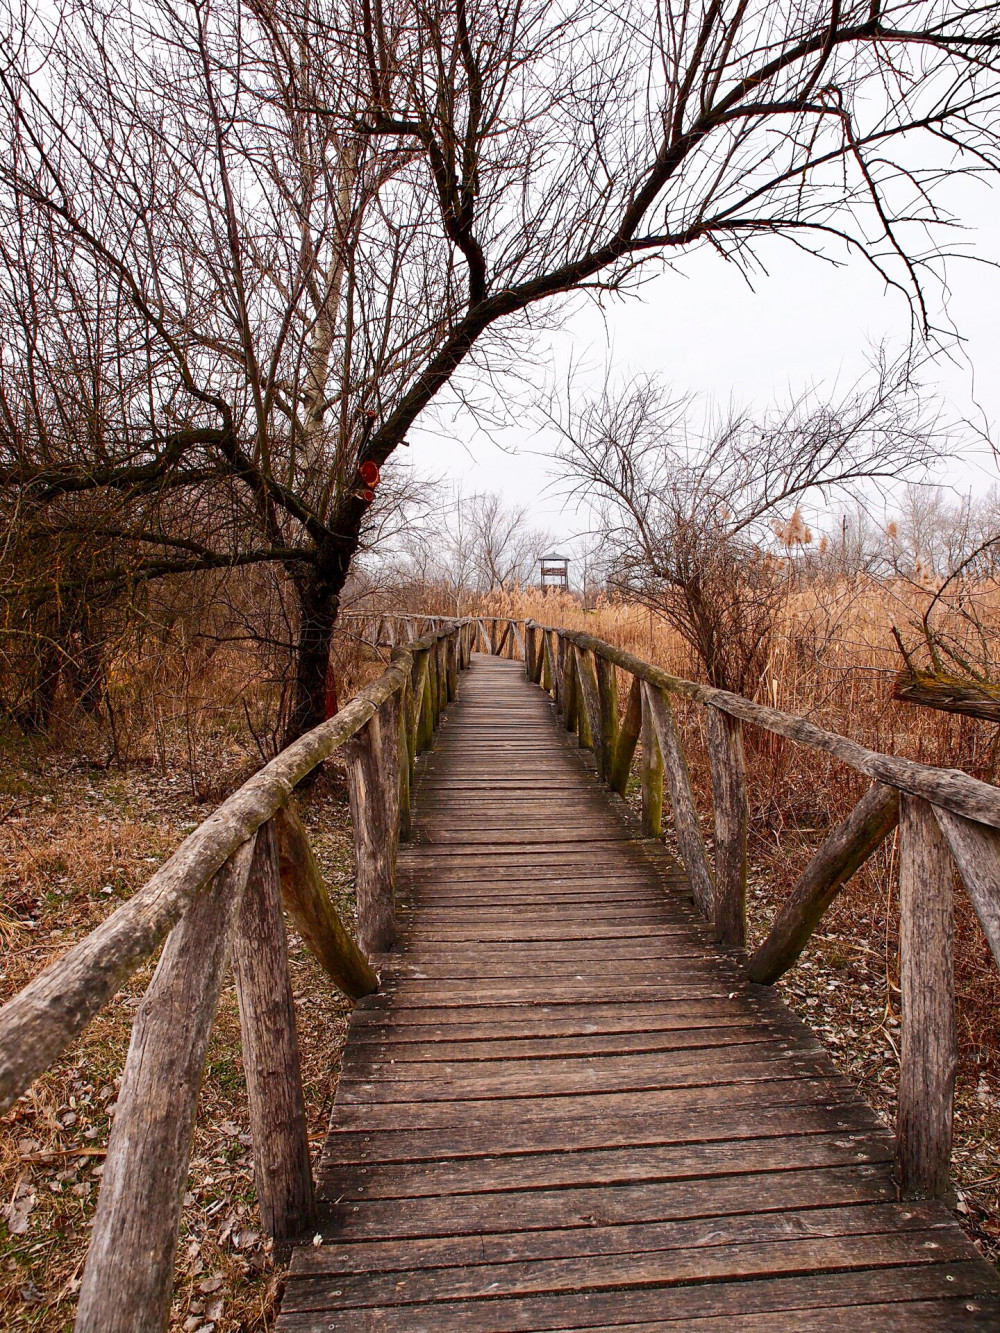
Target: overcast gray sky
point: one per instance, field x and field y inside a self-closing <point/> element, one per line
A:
<point x="704" y="329"/>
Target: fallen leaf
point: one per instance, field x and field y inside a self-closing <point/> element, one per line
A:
<point x="18" y="1214"/>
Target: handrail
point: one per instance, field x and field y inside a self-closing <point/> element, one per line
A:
<point x="220" y="895"/>
<point x="945" y="817"/>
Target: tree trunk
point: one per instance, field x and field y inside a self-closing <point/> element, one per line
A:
<point x="314" y="696"/>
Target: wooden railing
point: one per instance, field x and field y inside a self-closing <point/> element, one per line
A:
<point x="500" y="636"/>
<point x="219" y="899"/>
<point x="944" y="816"/>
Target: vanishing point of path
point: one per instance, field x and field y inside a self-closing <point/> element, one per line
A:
<point x="566" y="1111"/>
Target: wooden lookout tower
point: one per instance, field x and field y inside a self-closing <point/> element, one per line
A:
<point x="554" y="570"/>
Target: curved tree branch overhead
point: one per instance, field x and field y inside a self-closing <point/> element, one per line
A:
<point x="242" y="247"/>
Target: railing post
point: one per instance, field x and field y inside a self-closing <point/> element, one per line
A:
<point x="434" y="682"/>
<point x="607" y="693"/>
<point x="450" y="651"/>
<point x="423" y="705"/>
<point x="548" y="680"/>
<point x="441" y="658"/>
<point x="129" y="1272"/>
<point x="590" y="711"/>
<point x="278" y="1128"/>
<point x="571" y="688"/>
<point x="729" y="798"/>
<point x="686" y="824"/>
<point x="407" y="758"/>
<point x="651" y="773"/>
<point x="373" y="788"/>
<point x="928" y="1052"/>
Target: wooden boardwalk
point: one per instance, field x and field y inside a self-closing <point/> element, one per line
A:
<point x="565" y="1110"/>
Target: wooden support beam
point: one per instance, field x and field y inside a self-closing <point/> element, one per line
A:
<point x="589" y="705"/>
<point x="571" y="688"/>
<point x="308" y="904"/>
<point x="282" y="1171"/>
<point x="406" y="761"/>
<point x="686" y="825"/>
<point x="129" y="1272"/>
<point x="607" y="693"/>
<point x="451" y="660"/>
<point x="533" y="662"/>
<point x="928" y="1052"/>
<point x="373" y="788"/>
<point x="423" y="694"/>
<point x="651" y="774"/>
<point x="976" y="849"/>
<point x="628" y="736"/>
<point x="729" y="798"/>
<point x="444" y="675"/>
<point x="434" y="682"/>
<point x="548" y="664"/>
<point x="844" y="851"/>
<point x="518" y="640"/>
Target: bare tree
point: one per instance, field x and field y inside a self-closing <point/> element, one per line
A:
<point x="701" y="523"/>
<point x="468" y="545"/>
<point x="246" y="247"/>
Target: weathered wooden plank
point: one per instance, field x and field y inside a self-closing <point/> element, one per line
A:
<point x="613" y="1205"/>
<point x="128" y="1275"/>
<point x="872" y="1219"/>
<point x="270" y="1050"/>
<point x="929" y="1051"/>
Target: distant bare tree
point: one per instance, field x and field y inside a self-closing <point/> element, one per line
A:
<point x="471" y="544"/>
<point x="700" y="523"/>
<point x="244" y="247"/>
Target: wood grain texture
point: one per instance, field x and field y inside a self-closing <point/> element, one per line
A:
<point x="628" y="736"/>
<point x="844" y="851"/>
<point x="976" y="850"/>
<point x="650" y="773"/>
<point x="566" y="1110"/>
<point x="373" y="790"/>
<point x="128" y="1276"/>
<point x="729" y="795"/>
<point x="589" y="706"/>
<point x="308" y="904"/>
<point x="686" y="823"/>
<point x="282" y="1170"/>
<point x="929" y="1050"/>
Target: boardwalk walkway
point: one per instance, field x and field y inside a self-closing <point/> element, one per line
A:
<point x="566" y="1111"/>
